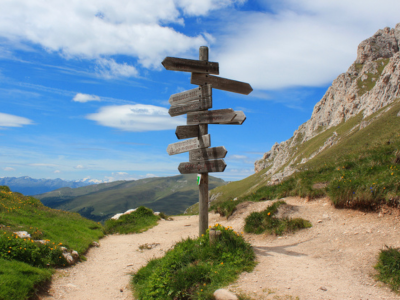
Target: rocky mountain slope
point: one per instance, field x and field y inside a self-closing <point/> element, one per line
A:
<point x="370" y="84"/>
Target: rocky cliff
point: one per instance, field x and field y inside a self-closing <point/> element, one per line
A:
<point x="371" y="82"/>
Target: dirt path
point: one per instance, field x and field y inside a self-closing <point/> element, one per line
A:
<point x="332" y="260"/>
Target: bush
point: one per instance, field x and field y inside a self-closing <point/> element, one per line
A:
<point x="140" y="220"/>
<point x="389" y="267"/>
<point x="194" y="269"/>
<point x="259" y="222"/>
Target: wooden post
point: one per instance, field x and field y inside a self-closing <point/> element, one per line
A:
<point x="203" y="186"/>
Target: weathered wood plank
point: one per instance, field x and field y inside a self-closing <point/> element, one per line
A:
<point x="207" y="154"/>
<point x="222" y="83"/>
<point x="191" y="144"/>
<point x="204" y="91"/>
<point x="190" y="107"/>
<point x="187" y="131"/>
<point x="210" y="116"/>
<point x="217" y="165"/>
<point x="190" y="65"/>
<point x="237" y="120"/>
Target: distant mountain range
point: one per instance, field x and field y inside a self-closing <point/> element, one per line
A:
<point x="30" y="186"/>
<point x="171" y="195"/>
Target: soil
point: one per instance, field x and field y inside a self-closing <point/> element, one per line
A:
<point x="332" y="260"/>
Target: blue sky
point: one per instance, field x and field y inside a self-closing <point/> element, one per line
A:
<point x="83" y="94"/>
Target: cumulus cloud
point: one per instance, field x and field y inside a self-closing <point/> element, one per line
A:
<point x="57" y="171"/>
<point x="78" y="167"/>
<point x="79" y="97"/>
<point x="7" y="120"/>
<point x="98" y="28"/>
<point x="8" y="169"/>
<point x="138" y="117"/>
<point x="299" y="43"/>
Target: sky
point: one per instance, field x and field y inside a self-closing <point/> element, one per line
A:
<point x="83" y="94"/>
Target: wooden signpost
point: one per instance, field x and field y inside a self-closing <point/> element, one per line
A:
<point x="195" y="103"/>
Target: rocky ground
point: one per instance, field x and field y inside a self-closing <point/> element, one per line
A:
<point x="332" y="260"/>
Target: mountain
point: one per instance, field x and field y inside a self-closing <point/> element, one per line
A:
<point x="171" y="195"/>
<point x="358" y="96"/>
<point x="30" y="186"/>
<point x="359" y="112"/>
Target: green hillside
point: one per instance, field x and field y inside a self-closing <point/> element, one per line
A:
<point x="171" y="195"/>
<point x="24" y="263"/>
<point x="360" y="171"/>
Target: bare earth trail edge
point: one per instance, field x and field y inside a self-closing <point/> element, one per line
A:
<point x="332" y="260"/>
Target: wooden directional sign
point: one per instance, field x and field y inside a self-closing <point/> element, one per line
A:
<point x="207" y="154"/>
<point x="188" y="145"/>
<point x="205" y="103"/>
<point x="217" y="165"/>
<point x="222" y="83"/>
<point x="188" y="131"/>
<point x="218" y="116"/>
<point x="237" y="120"/>
<point x="190" y="65"/>
<point x="182" y="98"/>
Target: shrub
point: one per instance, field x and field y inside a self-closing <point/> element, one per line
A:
<point x="140" y="220"/>
<point x="194" y="269"/>
<point x="259" y="222"/>
<point x="389" y="267"/>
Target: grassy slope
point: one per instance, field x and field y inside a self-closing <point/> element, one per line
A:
<point x="21" y="213"/>
<point x="168" y="194"/>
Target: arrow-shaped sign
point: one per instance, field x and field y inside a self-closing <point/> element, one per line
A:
<point x="218" y="116"/>
<point x="207" y="154"/>
<point x="237" y="120"/>
<point x="222" y="83"/>
<point x="185" y="146"/>
<point x="217" y="165"/>
<point x="190" y="65"/>
<point x="182" y="98"/>
<point x="187" y="131"/>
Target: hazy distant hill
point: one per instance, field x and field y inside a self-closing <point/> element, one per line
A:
<point x="30" y="186"/>
<point x="171" y="195"/>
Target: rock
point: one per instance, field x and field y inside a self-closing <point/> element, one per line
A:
<point x="95" y="244"/>
<point x="63" y="249"/>
<point x="75" y="254"/>
<point x="116" y="217"/>
<point x="43" y="242"/>
<point x="322" y="288"/>
<point x="222" y="294"/>
<point x="398" y="114"/>
<point x="68" y="257"/>
<point x="23" y="234"/>
<point x="319" y="221"/>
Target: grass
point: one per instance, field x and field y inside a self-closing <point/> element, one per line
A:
<point x="266" y="222"/>
<point x="194" y="269"/>
<point x="389" y="267"/>
<point x="24" y="263"/>
<point x="19" y="280"/>
<point x="369" y="83"/>
<point x="140" y="220"/>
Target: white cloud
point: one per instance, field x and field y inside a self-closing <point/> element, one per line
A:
<point x="7" y="120"/>
<point x="100" y="28"/>
<point x="301" y="43"/>
<point x="79" y="97"/>
<point x="108" y="68"/>
<point x="57" y="171"/>
<point x="8" y="169"/>
<point x="42" y="165"/>
<point x="78" y="167"/>
<point x="138" y="117"/>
